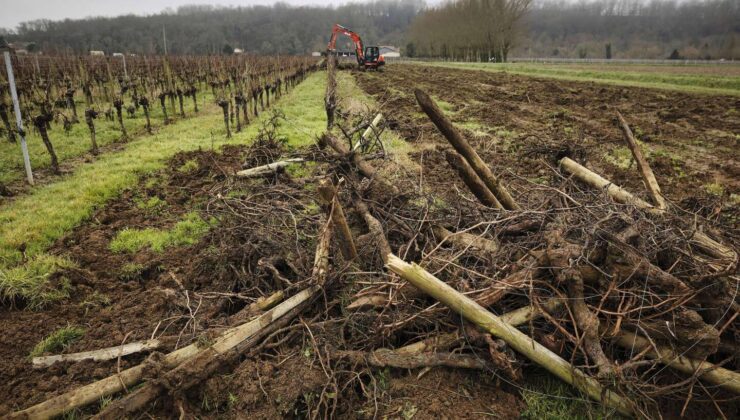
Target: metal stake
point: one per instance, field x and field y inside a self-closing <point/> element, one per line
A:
<point x="18" y="118"/>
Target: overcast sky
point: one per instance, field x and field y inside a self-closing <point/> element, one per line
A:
<point x="13" y="12"/>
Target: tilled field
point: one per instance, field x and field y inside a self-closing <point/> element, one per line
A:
<point x="369" y="345"/>
<point x="523" y="123"/>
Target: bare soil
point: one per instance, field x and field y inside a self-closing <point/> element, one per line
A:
<point x="521" y="125"/>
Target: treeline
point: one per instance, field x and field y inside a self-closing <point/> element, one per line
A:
<point x="493" y="29"/>
<point x="459" y="29"/>
<point x="277" y="29"/>
<point x="695" y="29"/>
<point x="472" y="30"/>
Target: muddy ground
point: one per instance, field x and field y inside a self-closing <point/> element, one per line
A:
<point x="274" y="221"/>
<point x="522" y="124"/>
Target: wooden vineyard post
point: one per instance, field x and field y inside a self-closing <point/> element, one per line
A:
<point x="328" y="194"/>
<point x="5" y="48"/>
<point x="465" y="149"/>
<point x="647" y="174"/>
<point x="519" y="341"/>
<point x="472" y="180"/>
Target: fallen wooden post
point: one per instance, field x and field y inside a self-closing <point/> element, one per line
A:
<point x="93" y="392"/>
<point x="101" y="354"/>
<point x="267" y="169"/>
<point x="472" y="180"/>
<point x="513" y="337"/>
<point x="706" y="371"/>
<point x="230" y="341"/>
<point x="648" y="177"/>
<point x="614" y="191"/>
<point x="370" y="129"/>
<point x="465" y="149"/>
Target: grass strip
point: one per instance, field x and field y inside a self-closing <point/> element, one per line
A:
<point x="705" y="84"/>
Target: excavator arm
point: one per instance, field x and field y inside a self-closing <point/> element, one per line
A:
<point x="359" y="49"/>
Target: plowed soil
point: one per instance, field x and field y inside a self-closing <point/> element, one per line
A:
<point x="690" y="140"/>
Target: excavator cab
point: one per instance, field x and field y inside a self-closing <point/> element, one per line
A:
<point x="373" y="59"/>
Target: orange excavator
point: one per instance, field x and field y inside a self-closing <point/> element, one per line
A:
<point x="367" y="57"/>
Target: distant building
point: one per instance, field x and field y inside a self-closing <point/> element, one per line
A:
<point x="97" y="53"/>
<point x="238" y="51"/>
<point x="390" y="51"/>
<point x="315" y="54"/>
<point x="116" y="54"/>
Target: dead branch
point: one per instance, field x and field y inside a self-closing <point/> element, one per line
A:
<point x="375" y="228"/>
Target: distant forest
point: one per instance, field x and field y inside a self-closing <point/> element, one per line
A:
<point x="695" y="29"/>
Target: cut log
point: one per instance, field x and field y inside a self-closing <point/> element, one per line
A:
<point x="270" y="168"/>
<point x="93" y="392"/>
<point x="328" y="194"/>
<point x="465" y="240"/>
<point x="645" y="171"/>
<point x="462" y="146"/>
<point x="101" y="354"/>
<point x="706" y="371"/>
<point x="513" y="337"/>
<point x="472" y="180"/>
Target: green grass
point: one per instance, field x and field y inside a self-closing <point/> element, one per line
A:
<point x="30" y="281"/>
<point x="153" y="204"/>
<point x="188" y="167"/>
<point x="707" y="83"/>
<point x="58" y="340"/>
<point x="130" y="271"/>
<point x="186" y="232"/>
<point x="549" y="398"/>
<point x="39" y="218"/>
<point x="77" y="141"/>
